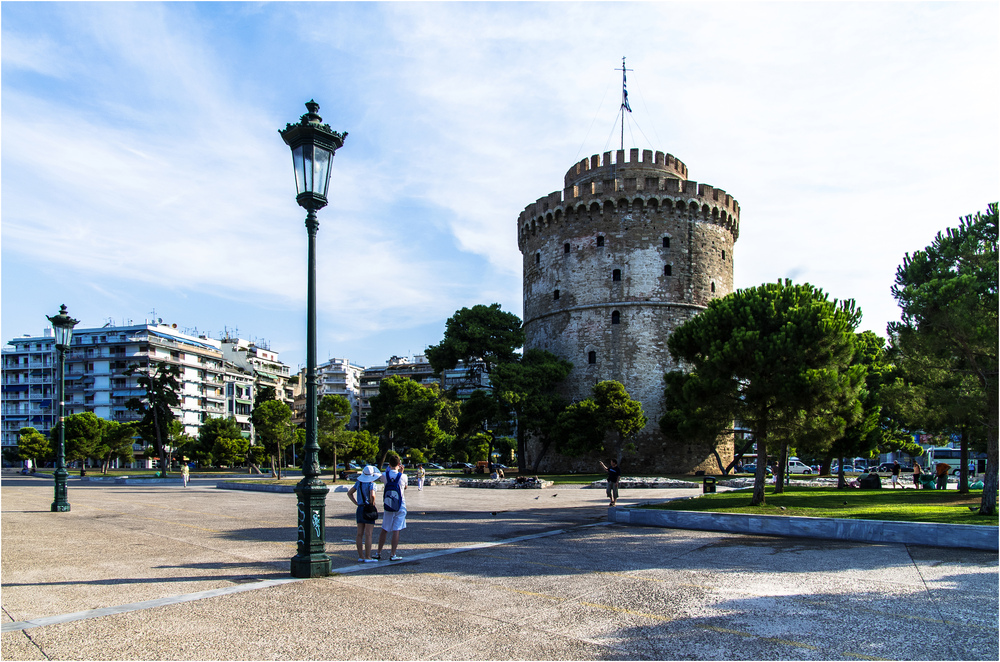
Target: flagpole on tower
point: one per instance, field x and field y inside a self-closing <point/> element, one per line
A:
<point x="625" y="105"/>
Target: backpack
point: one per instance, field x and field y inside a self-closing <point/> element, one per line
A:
<point x="392" y="499"/>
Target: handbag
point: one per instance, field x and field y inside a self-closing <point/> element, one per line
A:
<point x="369" y="513"/>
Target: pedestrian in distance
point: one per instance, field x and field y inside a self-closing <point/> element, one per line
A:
<point x="942" y="475"/>
<point x="185" y="473"/>
<point x="421" y="474"/>
<point x="362" y="494"/>
<point x="614" y="473"/>
<point x="394" y="517"/>
<point x="916" y="476"/>
<point x="895" y="474"/>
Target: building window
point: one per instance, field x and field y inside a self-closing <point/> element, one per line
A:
<point x="565" y="248"/>
<point x="668" y="270"/>
<point x="592" y="358"/>
<point x="600" y="240"/>
<point x="538" y="258"/>
<point x="616" y="317"/>
<point x="723" y="256"/>
<point x="555" y="295"/>
<point x="666" y="242"/>
<point x="616" y="275"/>
<point x="713" y="288"/>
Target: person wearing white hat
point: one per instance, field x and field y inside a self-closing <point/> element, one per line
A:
<point x="362" y="493"/>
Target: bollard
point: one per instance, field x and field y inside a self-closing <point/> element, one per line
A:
<point x="708" y="485"/>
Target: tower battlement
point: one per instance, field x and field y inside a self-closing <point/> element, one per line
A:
<point x="656" y="183"/>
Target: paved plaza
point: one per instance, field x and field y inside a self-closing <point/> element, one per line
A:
<point x="163" y="572"/>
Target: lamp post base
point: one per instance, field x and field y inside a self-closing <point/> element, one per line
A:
<point x="312" y="560"/>
<point x="60" y="504"/>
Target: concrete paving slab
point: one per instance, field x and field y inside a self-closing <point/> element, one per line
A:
<point x="496" y="575"/>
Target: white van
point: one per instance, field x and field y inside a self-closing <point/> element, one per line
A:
<point x="796" y="467"/>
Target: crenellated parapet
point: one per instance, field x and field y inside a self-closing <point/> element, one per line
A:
<point x="656" y="183"/>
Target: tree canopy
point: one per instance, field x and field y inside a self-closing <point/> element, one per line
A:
<point x="161" y="382"/>
<point x="603" y="423"/>
<point x="764" y="355"/>
<point x="33" y="445"/>
<point x="482" y="332"/>
<point x="948" y="298"/>
<point x="404" y="413"/>
<point x="271" y="420"/>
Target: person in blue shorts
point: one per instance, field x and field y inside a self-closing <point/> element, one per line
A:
<point x="614" y="473"/>
<point x="363" y="492"/>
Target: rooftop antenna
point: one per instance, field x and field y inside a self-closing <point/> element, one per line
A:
<point x="624" y="105"/>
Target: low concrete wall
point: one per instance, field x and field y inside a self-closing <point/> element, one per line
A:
<point x="910" y="533"/>
<point x="250" y="487"/>
<point x="149" y="481"/>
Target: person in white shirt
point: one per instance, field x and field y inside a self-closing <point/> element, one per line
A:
<point x="392" y="521"/>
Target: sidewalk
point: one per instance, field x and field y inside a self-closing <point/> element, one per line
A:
<point x="487" y="574"/>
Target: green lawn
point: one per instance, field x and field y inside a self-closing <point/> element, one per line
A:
<point x="943" y="506"/>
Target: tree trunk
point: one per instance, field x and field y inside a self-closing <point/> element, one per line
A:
<point x="718" y="461"/>
<point x="988" y="505"/>
<point x="963" y="472"/>
<point x="760" y="477"/>
<point x="779" y="475"/>
<point x="522" y="454"/>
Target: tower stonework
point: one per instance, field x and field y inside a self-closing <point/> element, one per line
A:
<point x="623" y="255"/>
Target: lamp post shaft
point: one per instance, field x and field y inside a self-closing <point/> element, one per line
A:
<point x="61" y="504"/>
<point x="311" y="560"/>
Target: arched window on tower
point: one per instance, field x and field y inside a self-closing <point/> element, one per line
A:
<point x="723" y="256"/>
<point x="555" y="295"/>
<point x="713" y="288"/>
<point x="616" y="275"/>
<point x="616" y="317"/>
<point x="565" y="248"/>
<point x="666" y="242"/>
<point x="600" y="240"/>
<point x="668" y="270"/>
<point x="592" y="358"/>
<point x="538" y="258"/>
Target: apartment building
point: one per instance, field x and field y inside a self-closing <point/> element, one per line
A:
<point x="217" y="378"/>
<point x="334" y="377"/>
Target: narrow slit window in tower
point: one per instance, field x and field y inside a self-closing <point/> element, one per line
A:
<point x="616" y="317"/>
<point x="592" y="358"/>
<point x="600" y="240"/>
<point x="555" y="295"/>
<point x="713" y="288"/>
<point x="666" y="242"/>
<point x="565" y="248"/>
<point x="723" y="256"/>
<point x="616" y="275"/>
<point x="538" y="258"/>
<point x="668" y="270"/>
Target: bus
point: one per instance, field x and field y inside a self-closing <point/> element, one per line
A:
<point x="950" y="456"/>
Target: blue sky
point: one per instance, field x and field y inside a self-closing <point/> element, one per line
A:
<point x="142" y="170"/>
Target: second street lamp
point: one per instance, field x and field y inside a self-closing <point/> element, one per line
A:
<point x="313" y="145"/>
<point x="63" y="325"/>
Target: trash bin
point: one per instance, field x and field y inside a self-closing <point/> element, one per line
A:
<point x="708" y="484"/>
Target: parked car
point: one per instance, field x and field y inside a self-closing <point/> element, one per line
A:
<point x="461" y="465"/>
<point x="752" y="469"/>
<point x="431" y="465"/>
<point x="796" y="467"/>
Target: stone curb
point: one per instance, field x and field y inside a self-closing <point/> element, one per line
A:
<point x="970" y="536"/>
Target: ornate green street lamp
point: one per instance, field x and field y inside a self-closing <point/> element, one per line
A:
<point x="63" y="325"/>
<point x="313" y="146"/>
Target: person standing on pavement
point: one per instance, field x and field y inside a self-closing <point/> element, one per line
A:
<point x="185" y="473"/>
<point x="362" y="493"/>
<point x="421" y="473"/>
<point x="895" y="473"/>
<point x="916" y="476"/>
<point x="393" y="521"/>
<point x="614" y="473"/>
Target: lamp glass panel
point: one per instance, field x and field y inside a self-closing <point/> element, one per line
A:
<point x="321" y="169"/>
<point x="307" y="167"/>
<point x="300" y="175"/>
<point x="63" y="335"/>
